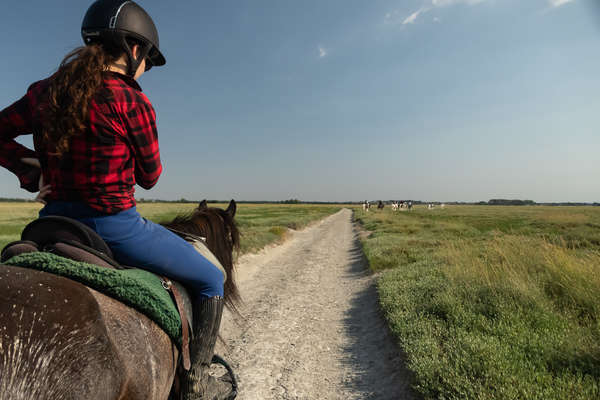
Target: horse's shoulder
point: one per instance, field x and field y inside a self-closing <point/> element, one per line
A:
<point x="143" y="346"/>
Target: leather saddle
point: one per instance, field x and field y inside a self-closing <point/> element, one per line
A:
<point x="72" y="239"/>
<point x="65" y="237"/>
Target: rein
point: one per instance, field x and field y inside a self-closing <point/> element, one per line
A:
<point x="187" y="235"/>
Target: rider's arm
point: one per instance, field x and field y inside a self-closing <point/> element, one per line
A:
<point x="144" y="138"/>
<point x="15" y="121"/>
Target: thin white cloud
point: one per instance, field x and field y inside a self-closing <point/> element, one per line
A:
<point x="322" y="52"/>
<point x="558" y="3"/>
<point x="392" y="17"/>
<point x="413" y="17"/>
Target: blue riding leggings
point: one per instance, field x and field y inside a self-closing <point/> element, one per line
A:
<point x="137" y="242"/>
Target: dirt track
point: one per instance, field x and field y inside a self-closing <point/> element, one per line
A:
<point x="312" y="329"/>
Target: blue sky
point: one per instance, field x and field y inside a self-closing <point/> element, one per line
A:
<point x="354" y="99"/>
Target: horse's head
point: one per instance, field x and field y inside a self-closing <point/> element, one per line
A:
<point x="222" y="238"/>
<point x="219" y="228"/>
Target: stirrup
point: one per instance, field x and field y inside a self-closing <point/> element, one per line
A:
<point x="216" y="359"/>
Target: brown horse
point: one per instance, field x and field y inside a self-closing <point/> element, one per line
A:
<point x="62" y="340"/>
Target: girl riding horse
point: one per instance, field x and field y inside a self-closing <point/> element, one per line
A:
<point x="95" y="137"/>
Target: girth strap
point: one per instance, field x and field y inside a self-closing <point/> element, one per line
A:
<point x="185" y="336"/>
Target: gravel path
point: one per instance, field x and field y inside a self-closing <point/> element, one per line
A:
<point x="311" y="326"/>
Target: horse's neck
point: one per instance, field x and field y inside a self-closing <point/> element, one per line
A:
<point x="203" y="249"/>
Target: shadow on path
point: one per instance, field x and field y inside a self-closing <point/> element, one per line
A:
<point x="377" y="361"/>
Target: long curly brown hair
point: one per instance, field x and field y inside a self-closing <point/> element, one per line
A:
<point x="71" y="89"/>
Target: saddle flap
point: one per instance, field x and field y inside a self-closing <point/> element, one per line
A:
<point x="78" y="252"/>
<point x="187" y="304"/>
<point x="182" y="301"/>
<point x="53" y="229"/>
<point x="16" y="248"/>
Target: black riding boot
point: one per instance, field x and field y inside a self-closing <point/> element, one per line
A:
<point x="197" y="383"/>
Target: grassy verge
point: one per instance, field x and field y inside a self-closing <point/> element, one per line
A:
<point x="492" y="302"/>
<point x="260" y="224"/>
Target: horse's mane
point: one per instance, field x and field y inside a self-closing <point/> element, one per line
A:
<point x="222" y="238"/>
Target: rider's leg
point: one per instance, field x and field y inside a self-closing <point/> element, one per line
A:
<point x="135" y="241"/>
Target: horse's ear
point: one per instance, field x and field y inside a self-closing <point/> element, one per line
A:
<point x="231" y="208"/>
<point x="202" y="205"/>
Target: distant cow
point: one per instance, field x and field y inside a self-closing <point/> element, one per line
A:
<point x="380" y="205"/>
<point x="366" y="205"/>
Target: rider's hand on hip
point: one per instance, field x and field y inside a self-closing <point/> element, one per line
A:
<point x="44" y="189"/>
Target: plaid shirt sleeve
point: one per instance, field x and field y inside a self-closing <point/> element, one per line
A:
<point x="144" y="139"/>
<point x="15" y="121"/>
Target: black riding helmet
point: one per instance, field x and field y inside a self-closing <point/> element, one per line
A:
<point x="115" y="21"/>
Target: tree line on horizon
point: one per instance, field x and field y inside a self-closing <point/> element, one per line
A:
<point x="491" y="202"/>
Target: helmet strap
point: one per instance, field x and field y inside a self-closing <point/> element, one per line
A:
<point x="133" y="63"/>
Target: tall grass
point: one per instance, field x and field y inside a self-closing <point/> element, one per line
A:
<point x="534" y="268"/>
<point x="492" y="310"/>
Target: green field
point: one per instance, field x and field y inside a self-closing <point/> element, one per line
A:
<point x="260" y="224"/>
<point x="492" y="302"/>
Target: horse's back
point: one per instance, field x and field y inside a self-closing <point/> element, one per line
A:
<point x="62" y="340"/>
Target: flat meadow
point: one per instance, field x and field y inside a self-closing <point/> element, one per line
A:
<point x="487" y="302"/>
<point x="492" y="302"/>
<point x="260" y="224"/>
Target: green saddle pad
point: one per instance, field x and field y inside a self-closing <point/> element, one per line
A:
<point x="139" y="289"/>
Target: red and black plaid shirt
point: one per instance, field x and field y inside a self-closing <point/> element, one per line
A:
<point x="118" y="149"/>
